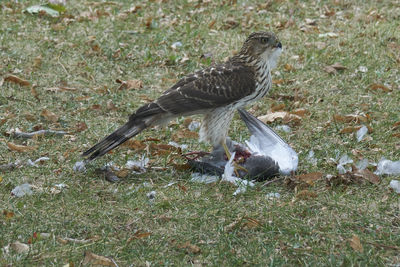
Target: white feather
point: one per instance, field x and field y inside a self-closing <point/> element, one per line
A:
<point x="264" y="141"/>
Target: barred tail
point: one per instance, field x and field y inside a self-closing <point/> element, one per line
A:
<point x="127" y="131"/>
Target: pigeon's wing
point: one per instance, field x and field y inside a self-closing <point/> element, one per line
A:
<point x="265" y="141"/>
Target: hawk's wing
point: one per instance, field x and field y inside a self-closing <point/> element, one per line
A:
<point x="210" y="88"/>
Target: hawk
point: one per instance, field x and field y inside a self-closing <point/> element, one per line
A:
<point x="216" y="92"/>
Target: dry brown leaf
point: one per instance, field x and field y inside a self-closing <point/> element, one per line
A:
<point x="19" y="148"/>
<point x="367" y="175"/>
<point x="96" y="107"/>
<point x="134" y="144"/>
<point x="329" y="69"/>
<point x="162" y="149"/>
<point x="350" y="129"/>
<point x="277" y="107"/>
<point x="396" y="125"/>
<point x="282" y="115"/>
<point x="19" y="247"/>
<point x="338" y="66"/>
<point x="6" y="213"/>
<point x="306" y="195"/>
<point x="141" y="234"/>
<point x="123" y="173"/>
<point x="17" y="80"/>
<point x="382" y="87"/>
<point x="130" y="84"/>
<point x="300" y="112"/>
<point x="334" y="68"/>
<point x="278" y="81"/>
<point x="48" y="115"/>
<point x="190" y="247"/>
<point x="309" y="178"/>
<point x="288" y="67"/>
<point x="184" y="134"/>
<point x="355" y="243"/>
<point x="350" y="118"/>
<point x="80" y="126"/>
<point x="93" y="259"/>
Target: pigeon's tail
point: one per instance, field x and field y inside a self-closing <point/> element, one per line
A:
<point x="127" y="131"/>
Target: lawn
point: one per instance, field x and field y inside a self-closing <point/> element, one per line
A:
<point x="87" y="70"/>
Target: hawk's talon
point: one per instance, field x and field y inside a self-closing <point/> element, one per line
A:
<point x="235" y="165"/>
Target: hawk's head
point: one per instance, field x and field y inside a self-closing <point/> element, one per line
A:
<point x="262" y="45"/>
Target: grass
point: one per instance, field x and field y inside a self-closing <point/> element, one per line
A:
<point x="92" y="45"/>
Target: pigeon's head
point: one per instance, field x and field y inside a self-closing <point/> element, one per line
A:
<point x="262" y="45"/>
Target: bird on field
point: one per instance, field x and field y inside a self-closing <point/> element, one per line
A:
<point x="265" y="154"/>
<point x="217" y="92"/>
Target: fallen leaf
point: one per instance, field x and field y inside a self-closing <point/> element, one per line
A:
<point x="382" y="87"/>
<point x="141" y="234"/>
<point x="162" y="149"/>
<point x="190" y="247"/>
<point x="19" y="247"/>
<point x="334" y="68"/>
<point x="288" y="67"/>
<point x="309" y="178"/>
<point x="350" y="129"/>
<point x="282" y="115"/>
<point x="184" y="134"/>
<point x="96" y="107"/>
<point x="338" y="66"/>
<point x="123" y="173"/>
<point x="278" y="81"/>
<point x="80" y="126"/>
<point x="278" y="107"/>
<point x="350" y="118"/>
<point x="356" y="244"/>
<point x="396" y="125"/>
<point x="93" y="259"/>
<point x="300" y="112"/>
<point x="8" y="214"/>
<point x="17" y="80"/>
<point x="19" y="148"/>
<point x="130" y="84"/>
<point x="134" y="144"/>
<point x="48" y="115"/>
<point x="329" y="69"/>
<point x="367" y="175"/>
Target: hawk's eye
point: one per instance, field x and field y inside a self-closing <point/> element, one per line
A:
<point x="264" y="40"/>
